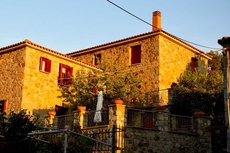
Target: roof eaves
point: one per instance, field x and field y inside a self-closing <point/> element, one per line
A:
<point x="132" y="38"/>
<point x="29" y="43"/>
<point x="113" y="43"/>
<point x="190" y="46"/>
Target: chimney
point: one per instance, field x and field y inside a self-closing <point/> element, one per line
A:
<point x="156" y="21"/>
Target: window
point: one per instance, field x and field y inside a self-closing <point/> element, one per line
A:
<point x="97" y="59"/>
<point x="136" y="54"/>
<point x="193" y="64"/>
<point x="65" y="73"/>
<point x="2" y="105"/>
<point x="45" y="65"/>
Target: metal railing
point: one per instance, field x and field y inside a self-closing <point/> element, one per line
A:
<point x="108" y="139"/>
<point x="91" y="115"/>
<point x="141" y="118"/>
<point x="68" y="121"/>
<point x="181" y="123"/>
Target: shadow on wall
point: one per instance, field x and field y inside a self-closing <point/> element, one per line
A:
<point x="44" y="114"/>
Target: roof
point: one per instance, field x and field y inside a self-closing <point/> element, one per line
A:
<point x="30" y="43"/>
<point x="136" y="37"/>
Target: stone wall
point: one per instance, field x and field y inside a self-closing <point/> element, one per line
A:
<point x="12" y="67"/>
<point x="147" y="69"/>
<point x="24" y="86"/>
<point x="164" y="137"/>
<point x="162" y="62"/>
<point x="41" y="89"/>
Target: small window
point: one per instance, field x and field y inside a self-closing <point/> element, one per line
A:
<point x="45" y="65"/>
<point x="136" y="54"/>
<point x="97" y="59"/>
<point x="65" y="73"/>
<point x="2" y="105"/>
<point x="193" y="64"/>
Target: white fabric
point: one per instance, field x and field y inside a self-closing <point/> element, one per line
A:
<point x="97" y="116"/>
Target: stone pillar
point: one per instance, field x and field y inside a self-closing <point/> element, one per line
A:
<point x="225" y="43"/>
<point x="80" y="118"/>
<point x="162" y="120"/>
<point x="117" y="115"/>
<point x="117" y="118"/>
<point x="202" y="126"/>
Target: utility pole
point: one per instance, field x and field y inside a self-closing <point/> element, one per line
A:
<point x="225" y="43"/>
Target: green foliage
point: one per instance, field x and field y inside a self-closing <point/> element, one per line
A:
<point x="15" y="128"/>
<point x="216" y="62"/>
<point x="114" y="81"/>
<point x="199" y="90"/>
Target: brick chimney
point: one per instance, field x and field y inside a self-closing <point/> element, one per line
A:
<point x="156" y="21"/>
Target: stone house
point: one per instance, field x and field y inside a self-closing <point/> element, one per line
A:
<point x="30" y="76"/>
<point x="157" y="56"/>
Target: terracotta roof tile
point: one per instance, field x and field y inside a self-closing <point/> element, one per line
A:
<point x="27" y="41"/>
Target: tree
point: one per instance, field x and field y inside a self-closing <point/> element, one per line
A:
<point x="216" y="64"/>
<point x="200" y="90"/>
<point x="112" y="80"/>
<point x="15" y="132"/>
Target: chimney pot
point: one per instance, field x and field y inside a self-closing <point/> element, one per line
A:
<point x="156" y="21"/>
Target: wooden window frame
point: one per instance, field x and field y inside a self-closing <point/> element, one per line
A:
<point x="65" y="74"/>
<point x="45" y="65"/>
<point x="97" y="59"/>
<point x="135" y="54"/>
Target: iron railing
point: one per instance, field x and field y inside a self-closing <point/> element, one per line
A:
<point x="180" y="123"/>
<point x="68" y="121"/>
<point x="108" y="139"/>
<point x="103" y="115"/>
<point x="141" y="118"/>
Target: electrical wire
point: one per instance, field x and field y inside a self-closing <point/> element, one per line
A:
<point x="157" y="27"/>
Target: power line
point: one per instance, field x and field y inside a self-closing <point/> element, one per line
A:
<point x="157" y="27"/>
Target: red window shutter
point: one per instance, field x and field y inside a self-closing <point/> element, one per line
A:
<point x="4" y="106"/>
<point x="41" y="61"/>
<point x="60" y="79"/>
<point x="147" y="120"/>
<point x="193" y="64"/>
<point x="69" y="71"/>
<point x="136" y="54"/>
<point x="48" y="66"/>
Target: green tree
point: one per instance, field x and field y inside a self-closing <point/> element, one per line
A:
<point x="216" y="63"/>
<point x="15" y="129"/>
<point x="115" y="82"/>
<point x="200" y="90"/>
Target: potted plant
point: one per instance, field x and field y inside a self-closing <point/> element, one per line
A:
<point x="198" y="112"/>
<point x="51" y="113"/>
<point x="160" y="107"/>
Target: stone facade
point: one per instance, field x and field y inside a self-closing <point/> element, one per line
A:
<point x="24" y="86"/>
<point x="12" y="67"/>
<point x="163" y="60"/>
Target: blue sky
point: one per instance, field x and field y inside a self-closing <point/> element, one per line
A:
<point x="67" y="26"/>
